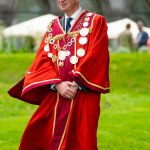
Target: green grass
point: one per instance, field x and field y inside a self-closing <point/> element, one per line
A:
<point x="124" y="123"/>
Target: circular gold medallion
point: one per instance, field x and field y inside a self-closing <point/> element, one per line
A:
<point x="61" y="55"/>
<point x="46" y="48"/>
<point x="50" y="55"/>
<point x="47" y="40"/>
<point x="83" y="40"/>
<point x="55" y="46"/>
<point x="69" y="43"/>
<point x="52" y="41"/>
<point x="80" y="52"/>
<point x="73" y="60"/>
<point x="64" y="47"/>
<point x="84" y="31"/>
<point x="50" y="29"/>
<point x="50" y="35"/>
<point x="85" y="24"/>
<point x="89" y="14"/>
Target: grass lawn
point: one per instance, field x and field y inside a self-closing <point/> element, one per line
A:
<point x="124" y="122"/>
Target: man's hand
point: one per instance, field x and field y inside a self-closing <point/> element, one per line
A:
<point x="74" y="86"/>
<point x="67" y="89"/>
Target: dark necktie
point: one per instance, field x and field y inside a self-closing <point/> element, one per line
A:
<point x="68" y="25"/>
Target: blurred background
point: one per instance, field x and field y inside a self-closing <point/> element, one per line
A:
<point x="13" y="12"/>
<point x="125" y="120"/>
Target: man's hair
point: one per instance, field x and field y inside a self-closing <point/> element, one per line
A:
<point x="128" y="26"/>
<point x="140" y="23"/>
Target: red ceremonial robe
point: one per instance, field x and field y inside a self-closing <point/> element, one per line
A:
<point x="61" y="123"/>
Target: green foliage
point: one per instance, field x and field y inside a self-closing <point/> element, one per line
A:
<point x="130" y="73"/>
<point x="124" y="122"/>
<point x="143" y="49"/>
<point x="123" y="50"/>
<point x="17" y="44"/>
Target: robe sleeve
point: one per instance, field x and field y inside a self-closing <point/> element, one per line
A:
<point x="93" y="71"/>
<point x="34" y="85"/>
<point x="42" y="71"/>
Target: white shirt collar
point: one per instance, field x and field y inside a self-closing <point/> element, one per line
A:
<point x="74" y="16"/>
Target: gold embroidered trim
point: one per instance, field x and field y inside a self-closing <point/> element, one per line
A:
<point x="50" y="25"/>
<point x="58" y="37"/>
<point x="39" y="82"/>
<point x="72" y="34"/>
<point x="65" y="126"/>
<point x="76" y="20"/>
<point x="90" y="82"/>
<point x="54" y="122"/>
<point x="93" y="20"/>
<point x="90" y="30"/>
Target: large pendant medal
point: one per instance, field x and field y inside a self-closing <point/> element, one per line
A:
<point x="84" y="31"/>
<point x="73" y="60"/>
<point x="46" y="48"/>
<point x="80" y="52"/>
<point x="83" y="40"/>
<point x="61" y="55"/>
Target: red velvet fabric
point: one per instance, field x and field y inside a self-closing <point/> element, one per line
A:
<point x="93" y="69"/>
<point x="81" y="121"/>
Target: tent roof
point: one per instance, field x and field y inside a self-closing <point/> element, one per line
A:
<point x="39" y="25"/>
<point x="116" y="27"/>
<point x="31" y="27"/>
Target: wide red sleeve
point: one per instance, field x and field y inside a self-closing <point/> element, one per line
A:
<point x="93" y="71"/>
<point x="42" y="71"/>
<point x="35" y="82"/>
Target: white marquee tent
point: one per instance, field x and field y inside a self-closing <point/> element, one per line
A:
<point x="39" y="25"/>
<point x="35" y="27"/>
<point x="30" y="27"/>
<point x="116" y="27"/>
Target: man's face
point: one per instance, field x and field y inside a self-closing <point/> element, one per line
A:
<point x="67" y="5"/>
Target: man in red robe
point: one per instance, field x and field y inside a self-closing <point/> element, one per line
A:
<point x="66" y="79"/>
